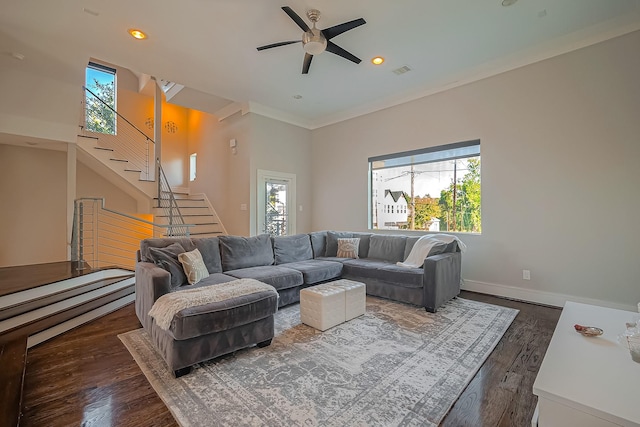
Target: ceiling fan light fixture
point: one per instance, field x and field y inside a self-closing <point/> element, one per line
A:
<point x="313" y="42"/>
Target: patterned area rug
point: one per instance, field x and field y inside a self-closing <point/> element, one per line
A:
<point x="396" y="365"/>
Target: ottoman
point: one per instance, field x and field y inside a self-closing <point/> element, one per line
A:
<point x="329" y="304"/>
<point x="355" y="294"/>
<point x="322" y="306"/>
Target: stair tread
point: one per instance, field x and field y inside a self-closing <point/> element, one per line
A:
<point x="132" y="170"/>
<point x="120" y="160"/>
<point x="56" y="295"/>
<point x="77" y="308"/>
<point x="103" y="148"/>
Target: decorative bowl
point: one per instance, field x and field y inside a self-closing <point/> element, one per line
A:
<point x="588" y="331"/>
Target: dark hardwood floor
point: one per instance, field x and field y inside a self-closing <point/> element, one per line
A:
<point x="86" y="377"/>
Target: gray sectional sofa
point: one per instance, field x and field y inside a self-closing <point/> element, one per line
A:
<point x="288" y="263"/>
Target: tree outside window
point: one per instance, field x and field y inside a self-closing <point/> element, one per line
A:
<point x="441" y="186"/>
<point x="100" y="99"/>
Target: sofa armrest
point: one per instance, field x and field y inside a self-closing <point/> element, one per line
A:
<point x="441" y="279"/>
<point x="151" y="283"/>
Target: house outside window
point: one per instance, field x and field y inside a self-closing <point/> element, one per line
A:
<point x="100" y="99"/>
<point x="440" y="186"/>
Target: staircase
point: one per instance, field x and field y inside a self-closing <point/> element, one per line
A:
<point x="32" y="312"/>
<point x="196" y="210"/>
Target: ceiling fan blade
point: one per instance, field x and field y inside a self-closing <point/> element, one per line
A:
<point x="296" y="18"/>
<point x="269" y="46"/>
<point x="337" y="50"/>
<point x="336" y="30"/>
<point x="307" y="63"/>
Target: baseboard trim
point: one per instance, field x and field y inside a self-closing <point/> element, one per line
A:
<point x="536" y="296"/>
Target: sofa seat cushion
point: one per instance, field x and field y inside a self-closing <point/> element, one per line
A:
<point x="213" y="279"/>
<point x="316" y="271"/>
<point x="383" y="271"/>
<point x="277" y="276"/>
<point x="333" y="259"/>
<point x="223" y="315"/>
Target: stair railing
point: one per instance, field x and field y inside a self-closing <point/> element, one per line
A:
<point x="103" y="237"/>
<point x="137" y="148"/>
<point x="167" y="202"/>
<point x="129" y="141"/>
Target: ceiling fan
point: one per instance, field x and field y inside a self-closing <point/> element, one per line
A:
<point x="315" y="41"/>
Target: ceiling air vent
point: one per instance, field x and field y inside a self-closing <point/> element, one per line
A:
<point x="402" y="70"/>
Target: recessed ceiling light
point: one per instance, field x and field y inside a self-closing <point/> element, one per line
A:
<point x="508" y="2"/>
<point x="377" y="60"/>
<point x="297" y="96"/>
<point x="137" y="34"/>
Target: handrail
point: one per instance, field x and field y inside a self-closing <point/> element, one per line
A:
<point x="118" y="114"/>
<point x="104" y="237"/>
<point x="128" y="140"/>
<point x="135" y="218"/>
<point x="173" y="210"/>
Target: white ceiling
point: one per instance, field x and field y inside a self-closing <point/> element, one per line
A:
<point x="209" y="46"/>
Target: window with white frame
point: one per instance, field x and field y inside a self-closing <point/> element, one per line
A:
<point x="442" y="184"/>
<point x="100" y="99"/>
<point x="192" y="166"/>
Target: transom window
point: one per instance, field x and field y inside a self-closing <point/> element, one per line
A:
<point x="441" y="187"/>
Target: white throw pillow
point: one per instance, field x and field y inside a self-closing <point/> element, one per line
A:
<point x="193" y="266"/>
<point x="348" y="248"/>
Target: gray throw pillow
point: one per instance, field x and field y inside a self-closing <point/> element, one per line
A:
<point x="332" y="242"/>
<point x="292" y="248"/>
<point x="167" y="258"/>
<point x="242" y="252"/>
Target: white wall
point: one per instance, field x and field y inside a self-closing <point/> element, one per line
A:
<point x="90" y="184"/>
<point x="229" y="180"/>
<point x="281" y="147"/>
<point x="560" y="150"/>
<point x="33" y="186"/>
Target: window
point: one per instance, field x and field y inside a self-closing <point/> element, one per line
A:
<point x="192" y="166"/>
<point x="100" y="99"/>
<point x="442" y="185"/>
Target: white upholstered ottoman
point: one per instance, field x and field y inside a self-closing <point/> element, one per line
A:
<point x="329" y="304"/>
<point x="355" y="294"/>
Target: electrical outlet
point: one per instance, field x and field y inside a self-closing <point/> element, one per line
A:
<point x="526" y="274"/>
<point x="243" y="207"/>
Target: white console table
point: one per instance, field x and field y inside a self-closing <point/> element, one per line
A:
<point x="584" y="381"/>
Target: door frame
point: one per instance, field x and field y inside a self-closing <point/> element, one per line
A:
<point x="262" y="177"/>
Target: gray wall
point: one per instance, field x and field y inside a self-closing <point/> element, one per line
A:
<point x="560" y="182"/>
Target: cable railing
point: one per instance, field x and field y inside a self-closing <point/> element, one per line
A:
<point x="120" y="135"/>
<point x="168" y="204"/>
<point x="102" y="237"/>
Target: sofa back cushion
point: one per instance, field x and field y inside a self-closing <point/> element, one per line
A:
<point x="209" y="247"/>
<point x="388" y="248"/>
<point x="242" y="252"/>
<point x="331" y="249"/>
<point x="292" y="248"/>
<point x="318" y="243"/>
<point x="363" y="249"/>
